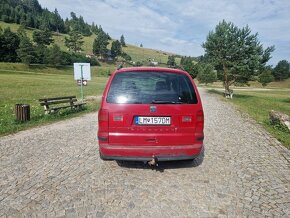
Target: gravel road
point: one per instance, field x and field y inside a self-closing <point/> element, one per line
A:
<point x="55" y="171"/>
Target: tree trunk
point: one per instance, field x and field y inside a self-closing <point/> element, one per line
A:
<point x="228" y="93"/>
<point x="226" y="82"/>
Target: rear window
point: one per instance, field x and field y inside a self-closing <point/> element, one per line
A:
<point x="151" y="88"/>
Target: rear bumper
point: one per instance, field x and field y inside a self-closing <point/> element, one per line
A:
<point x="146" y="153"/>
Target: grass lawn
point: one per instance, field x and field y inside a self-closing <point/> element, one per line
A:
<point x="23" y="84"/>
<point x="258" y="104"/>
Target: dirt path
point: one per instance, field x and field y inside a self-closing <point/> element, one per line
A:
<point x="55" y="171"/>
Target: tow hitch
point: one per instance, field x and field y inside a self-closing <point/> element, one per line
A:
<point x="153" y="162"/>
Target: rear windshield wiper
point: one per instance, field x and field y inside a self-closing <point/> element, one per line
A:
<point x="165" y="102"/>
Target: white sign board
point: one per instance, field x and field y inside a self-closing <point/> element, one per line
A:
<point x="82" y="68"/>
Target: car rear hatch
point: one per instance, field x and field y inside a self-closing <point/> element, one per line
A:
<point x="153" y="108"/>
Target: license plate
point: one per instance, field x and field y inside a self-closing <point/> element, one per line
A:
<point x="153" y="120"/>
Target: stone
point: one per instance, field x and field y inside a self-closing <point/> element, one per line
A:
<point x="277" y="117"/>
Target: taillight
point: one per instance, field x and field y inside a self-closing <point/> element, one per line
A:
<point x="199" y="121"/>
<point x="103" y="126"/>
<point x="103" y="118"/>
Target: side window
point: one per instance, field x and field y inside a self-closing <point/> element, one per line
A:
<point x="187" y="93"/>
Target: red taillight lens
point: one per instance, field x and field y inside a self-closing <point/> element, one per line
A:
<point x="103" y="118"/>
<point x="199" y="121"/>
<point x="199" y="116"/>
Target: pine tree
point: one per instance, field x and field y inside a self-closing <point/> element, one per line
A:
<point x="93" y="28"/>
<point x="9" y="43"/>
<point x="206" y="74"/>
<point x="100" y="45"/>
<point x="43" y="38"/>
<point x="32" y="5"/>
<point x="171" y="61"/>
<point x="237" y="51"/>
<point x="54" y="56"/>
<point x="266" y="77"/>
<point x="26" y="51"/>
<point x="122" y="40"/>
<point x="189" y="66"/>
<point x="74" y="42"/>
<point x="58" y="22"/>
<point x="281" y="71"/>
<point x="116" y="49"/>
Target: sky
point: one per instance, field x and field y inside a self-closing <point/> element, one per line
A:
<point x="181" y="26"/>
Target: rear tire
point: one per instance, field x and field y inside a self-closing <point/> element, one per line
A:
<point x="101" y="156"/>
<point x="198" y="159"/>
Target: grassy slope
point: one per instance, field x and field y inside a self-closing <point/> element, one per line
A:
<point x="26" y="84"/>
<point x="21" y="84"/>
<point x="273" y="85"/>
<point x="137" y="53"/>
<point x="258" y="104"/>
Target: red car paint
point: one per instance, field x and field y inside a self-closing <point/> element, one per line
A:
<point x="123" y="133"/>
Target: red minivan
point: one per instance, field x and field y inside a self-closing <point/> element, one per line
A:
<point x="150" y="113"/>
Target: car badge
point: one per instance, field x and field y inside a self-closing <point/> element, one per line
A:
<point x="153" y="109"/>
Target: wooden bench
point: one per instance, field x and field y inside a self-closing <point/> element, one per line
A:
<point x="64" y="102"/>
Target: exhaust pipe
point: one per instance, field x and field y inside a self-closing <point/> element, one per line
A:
<point x="153" y="162"/>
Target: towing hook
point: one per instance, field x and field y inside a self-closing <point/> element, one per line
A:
<point x="153" y="162"/>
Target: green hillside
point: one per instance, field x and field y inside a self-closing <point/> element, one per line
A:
<point x="137" y="53"/>
<point x="26" y="84"/>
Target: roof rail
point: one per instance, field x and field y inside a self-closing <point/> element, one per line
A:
<point x="180" y="67"/>
<point x="177" y="67"/>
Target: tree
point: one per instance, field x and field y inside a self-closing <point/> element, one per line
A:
<point x="33" y="5"/>
<point x="58" y="22"/>
<point x="100" y="45"/>
<point x="266" y="77"/>
<point x="237" y="51"/>
<point x="122" y="40"/>
<point x="192" y="70"/>
<point x="281" y="71"/>
<point x="9" y="43"/>
<point x="126" y="56"/>
<point x="206" y="74"/>
<point x="78" y="24"/>
<point x="189" y="66"/>
<point x="54" y="56"/>
<point x="42" y="37"/>
<point x="26" y="51"/>
<point x="74" y="42"/>
<point x="171" y="61"/>
<point x="116" y="49"/>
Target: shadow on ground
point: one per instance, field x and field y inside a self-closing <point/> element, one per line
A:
<point x="161" y="167"/>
